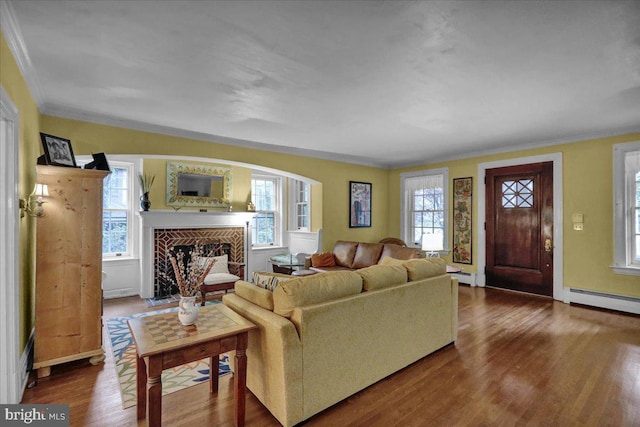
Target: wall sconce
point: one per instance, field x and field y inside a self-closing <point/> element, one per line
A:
<point x="34" y="208"/>
<point x="431" y="244"/>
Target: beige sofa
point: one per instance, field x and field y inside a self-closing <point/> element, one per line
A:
<point x="324" y="337"/>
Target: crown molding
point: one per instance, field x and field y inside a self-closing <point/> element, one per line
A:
<point x="13" y="35"/>
<point x="520" y="147"/>
<point x="66" y="112"/>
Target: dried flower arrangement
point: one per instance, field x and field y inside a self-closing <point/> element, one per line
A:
<point x="146" y="182"/>
<point x="190" y="275"/>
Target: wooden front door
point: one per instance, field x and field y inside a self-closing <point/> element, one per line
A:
<point x="519" y="228"/>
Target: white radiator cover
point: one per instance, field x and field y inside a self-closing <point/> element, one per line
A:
<point x="604" y="300"/>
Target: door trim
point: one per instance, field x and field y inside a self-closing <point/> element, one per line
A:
<point x="9" y="248"/>
<point x="558" y="253"/>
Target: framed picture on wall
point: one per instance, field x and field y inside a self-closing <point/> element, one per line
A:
<point x="359" y="204"/>
<point x="57" y="151"/>
<point x="462" y="219"/>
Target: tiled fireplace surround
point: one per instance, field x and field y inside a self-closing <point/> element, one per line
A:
<point x="161" y="230"/>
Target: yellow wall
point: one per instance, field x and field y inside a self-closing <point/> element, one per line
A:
<point x="587" y="188"/>
<point x="15" y="86"/>
<point x="87" y="138"/>
<point x="240" y="185"/>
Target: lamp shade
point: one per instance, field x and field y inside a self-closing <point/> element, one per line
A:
<point x="432" y="242"/>
<point x="42" y="190"/>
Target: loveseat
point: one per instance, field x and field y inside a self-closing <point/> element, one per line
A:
<point x="324" y="337"/>
<point x="348" y="255"/>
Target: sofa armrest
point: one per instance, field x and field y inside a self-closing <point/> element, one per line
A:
<point x="274" y="360"/>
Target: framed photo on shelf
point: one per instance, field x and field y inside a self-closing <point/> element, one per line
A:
<point x="57" y="151"/>
<point x="359" y="204"/>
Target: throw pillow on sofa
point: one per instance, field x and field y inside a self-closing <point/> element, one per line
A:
<point x="325" y="259"/>
<point x="269" y="281"/>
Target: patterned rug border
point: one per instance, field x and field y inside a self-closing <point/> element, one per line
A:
<point x="124" y="360"/>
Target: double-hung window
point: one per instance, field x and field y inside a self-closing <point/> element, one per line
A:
<point x="116" y="211"/>
<point x="266" y="196"/>
<point x="626" y="169"/>
<point x="301" y="204"/>
<point x="424" y="205"/>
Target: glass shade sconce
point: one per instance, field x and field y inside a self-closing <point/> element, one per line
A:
<point x="32" y="204"/>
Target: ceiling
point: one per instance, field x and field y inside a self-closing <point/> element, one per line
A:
<point x="386" y="83"/>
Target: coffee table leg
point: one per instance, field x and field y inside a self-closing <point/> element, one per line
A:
<point x="154" y="391"/>
<point x="141" y="387"/>
<point x="214" y="368"/>
<point x="240" y="377"/>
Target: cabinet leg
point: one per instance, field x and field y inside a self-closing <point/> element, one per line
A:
<point x="44" y="372"/>
<point x="97" y="359"/>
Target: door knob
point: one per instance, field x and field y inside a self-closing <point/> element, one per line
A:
<point x="548" y="245"/>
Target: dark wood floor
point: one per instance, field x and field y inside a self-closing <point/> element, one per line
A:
<point x="519" y="360"/>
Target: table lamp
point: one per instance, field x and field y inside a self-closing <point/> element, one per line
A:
<point x="431" y="244"/>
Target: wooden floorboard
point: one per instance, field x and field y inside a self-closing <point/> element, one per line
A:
<point x="520" y="360"/>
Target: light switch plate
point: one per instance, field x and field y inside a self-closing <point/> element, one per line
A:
<point x="577" y="217"/>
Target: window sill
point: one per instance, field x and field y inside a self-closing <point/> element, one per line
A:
<point x="630" y="271"/>
<point x="120" y="258"/>
<point x="268" y="248"/>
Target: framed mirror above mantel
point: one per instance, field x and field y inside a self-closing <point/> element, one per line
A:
<point x="197" y="185"/>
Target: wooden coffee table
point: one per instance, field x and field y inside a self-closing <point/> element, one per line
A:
<point x="162" y="342"/>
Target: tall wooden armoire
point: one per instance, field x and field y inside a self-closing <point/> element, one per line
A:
<point x="68" y="323"/>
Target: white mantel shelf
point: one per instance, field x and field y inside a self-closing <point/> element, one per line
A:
<point x="166" y="218"/>
<point x="151" y="220"/>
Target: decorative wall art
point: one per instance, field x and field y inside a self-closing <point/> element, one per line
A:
<point x="462" y="195"/>
<point x="359" y="204"/>
<point x="57" y="151"/>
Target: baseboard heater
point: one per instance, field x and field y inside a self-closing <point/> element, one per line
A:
<point x="604" y="300"/>
<point x="466" y="278"/>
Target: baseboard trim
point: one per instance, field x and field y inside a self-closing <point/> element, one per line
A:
<point x="24" y="365"/>
<point x="119" y="293"/>
<point x="605" y="300"/>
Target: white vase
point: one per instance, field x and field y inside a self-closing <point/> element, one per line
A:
<point x="187" y="310"/>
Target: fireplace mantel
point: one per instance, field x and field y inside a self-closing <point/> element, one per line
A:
<point x="151" y="220"/>
<point x="177" y="219"/>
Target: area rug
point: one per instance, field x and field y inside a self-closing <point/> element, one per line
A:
<point x="124" y="357"/>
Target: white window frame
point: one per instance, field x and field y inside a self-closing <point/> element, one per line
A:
<point x="405" y="209"/>
<point x="130" y="211"/>
<point x="278" y="212"/>
<point x="297" y="186"/>
<point x="623" y="211"/>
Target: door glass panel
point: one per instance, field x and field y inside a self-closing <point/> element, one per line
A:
<point x="517" y="194"/>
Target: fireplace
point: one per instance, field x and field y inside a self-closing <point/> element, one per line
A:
<point x="166" y="240"/>
<point x="162" y="230"/>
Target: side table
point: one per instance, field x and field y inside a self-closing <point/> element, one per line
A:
<point x="162" y="342"/>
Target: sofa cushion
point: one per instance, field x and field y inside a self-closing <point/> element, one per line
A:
<point x="254" y="294"/>
<point x="325" y="259"/>
<point x="307" y="290"/>
<point x="267" y="280"/>
<point x="419" y="269"/>
<point x="326" y="269"/>
<point x="382" y="276"/>
<point x="344" y="252"/>
<point x="367" y="254"/>
<point x="399" y="252"/>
